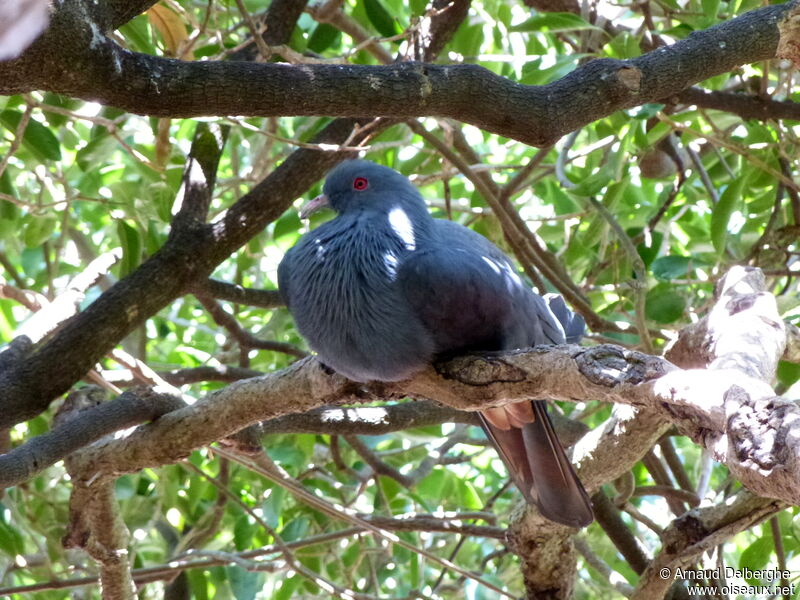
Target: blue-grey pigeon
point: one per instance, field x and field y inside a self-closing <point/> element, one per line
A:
<point x="384" y="289"/>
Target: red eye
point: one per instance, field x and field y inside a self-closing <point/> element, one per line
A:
<point x="360" y="183"/>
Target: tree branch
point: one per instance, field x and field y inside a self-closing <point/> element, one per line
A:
<point x="200" y="176"/>
<point x="747" y="107"/>
<point x="703" y="403"/>
<point x="133" y="407"/>
<point x="66" y="356"/>
<point x="241" y="295"/>
<point x="465" y="92"/>
<point x="95" y="524"/>
<point x="190" y="254"/>
<point x="280" y="21"/>
<point x="178" y="377"/>
<point x="699" y="530"/>
<point x="245" y="339"/>
<point x="115" y="13"/>
<point x="367" y="420"/>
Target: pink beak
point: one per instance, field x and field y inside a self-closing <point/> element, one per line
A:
<point x="313" y="206"/>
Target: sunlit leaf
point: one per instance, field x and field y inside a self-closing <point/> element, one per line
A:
<point x="38" y="139"/>
<point x="729" y="201"/>
<point x="664" y="304"/>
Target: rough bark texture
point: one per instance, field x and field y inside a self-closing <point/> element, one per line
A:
<point x="721" y="395"/>
<point x="697" y="531"/>
<point x="73" y="57"/>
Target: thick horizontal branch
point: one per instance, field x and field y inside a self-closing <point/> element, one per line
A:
<point x="728" y="407"/>
<point x="701" y="402"/>
<point x="141" y="405"/>
<point x="131" y="408"/>
<point x="536" y="115"/>
<point x="467" y="383"/>
<point x="367" y="420"/>
<point x="306" y="385"/>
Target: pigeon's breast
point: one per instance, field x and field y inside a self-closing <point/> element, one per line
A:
<point x="346" y="303"/>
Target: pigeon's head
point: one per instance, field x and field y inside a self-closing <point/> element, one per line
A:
<point x="358" y="185"/>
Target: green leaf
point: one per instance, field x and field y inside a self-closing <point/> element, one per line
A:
<point x="288" y="224"/>
<point x="437" y="486"/>
<point x="468" y="497"/>
<point x="710" y="7"/>
<point x="788" y="373"/>
<point x="131" y="243"/>
<point x="556" y="22"/>
<point x="670" y="267"/>
<point x="534" y="74"/>
<point x="163" y="199"/>
<point x="324" y="37"/>
<point x="664" y="304"/>
<point x="124" y="488"/>
<point x="418" y="7"/>
<point x="11" y="541"/>
<point x="288" y="455"/>
<point x="137" y="33"/>
<point x="657" y="132"/>
<point x="32" y="261"/>
<point x="9" y="212"/>
<point x="288" y="588"/>
<point x="7" y="187"/>
<point x="55" y="119"/>
<point x="648" y="253"/>
<point x="37" y="139"/>
<point x="243" y="531"/>
<point x="296" y="529"/>
<point x="380" y="18"/>
<point x="9" y="228"/>
<point x="624" y="45"/>
<point x="96" y="151"/>
<point x="38" y="230"/>
<point x="757" y="555"/>
<point x="273" y="507"/>
<point x="593" y="184"/>
<point x="729" y="201"/>
<point x="198" y="581"/>
<point x="244" y="584"/>
<point x="467" y="39"/>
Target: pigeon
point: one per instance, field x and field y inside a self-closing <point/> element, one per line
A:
<point x="384" y="289"/>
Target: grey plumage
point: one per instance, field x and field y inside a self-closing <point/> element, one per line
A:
<point x="384" y="289"/>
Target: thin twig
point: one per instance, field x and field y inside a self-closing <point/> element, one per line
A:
<point x="269" y="470"/>
<point x="19" y="134"/>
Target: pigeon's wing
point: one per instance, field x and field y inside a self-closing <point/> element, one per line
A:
<point x="284" y="277"/>
<point x="539" y="320"/>
<point x="572" y="323"/>
<point x="467" y="295"/>
<point x="460" y="298"/>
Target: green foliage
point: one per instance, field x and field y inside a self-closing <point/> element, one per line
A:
<point x="36" y="138"/>
<point x="82" y="180"/>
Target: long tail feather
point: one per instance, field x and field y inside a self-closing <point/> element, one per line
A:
<point x="540" y="468"/>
